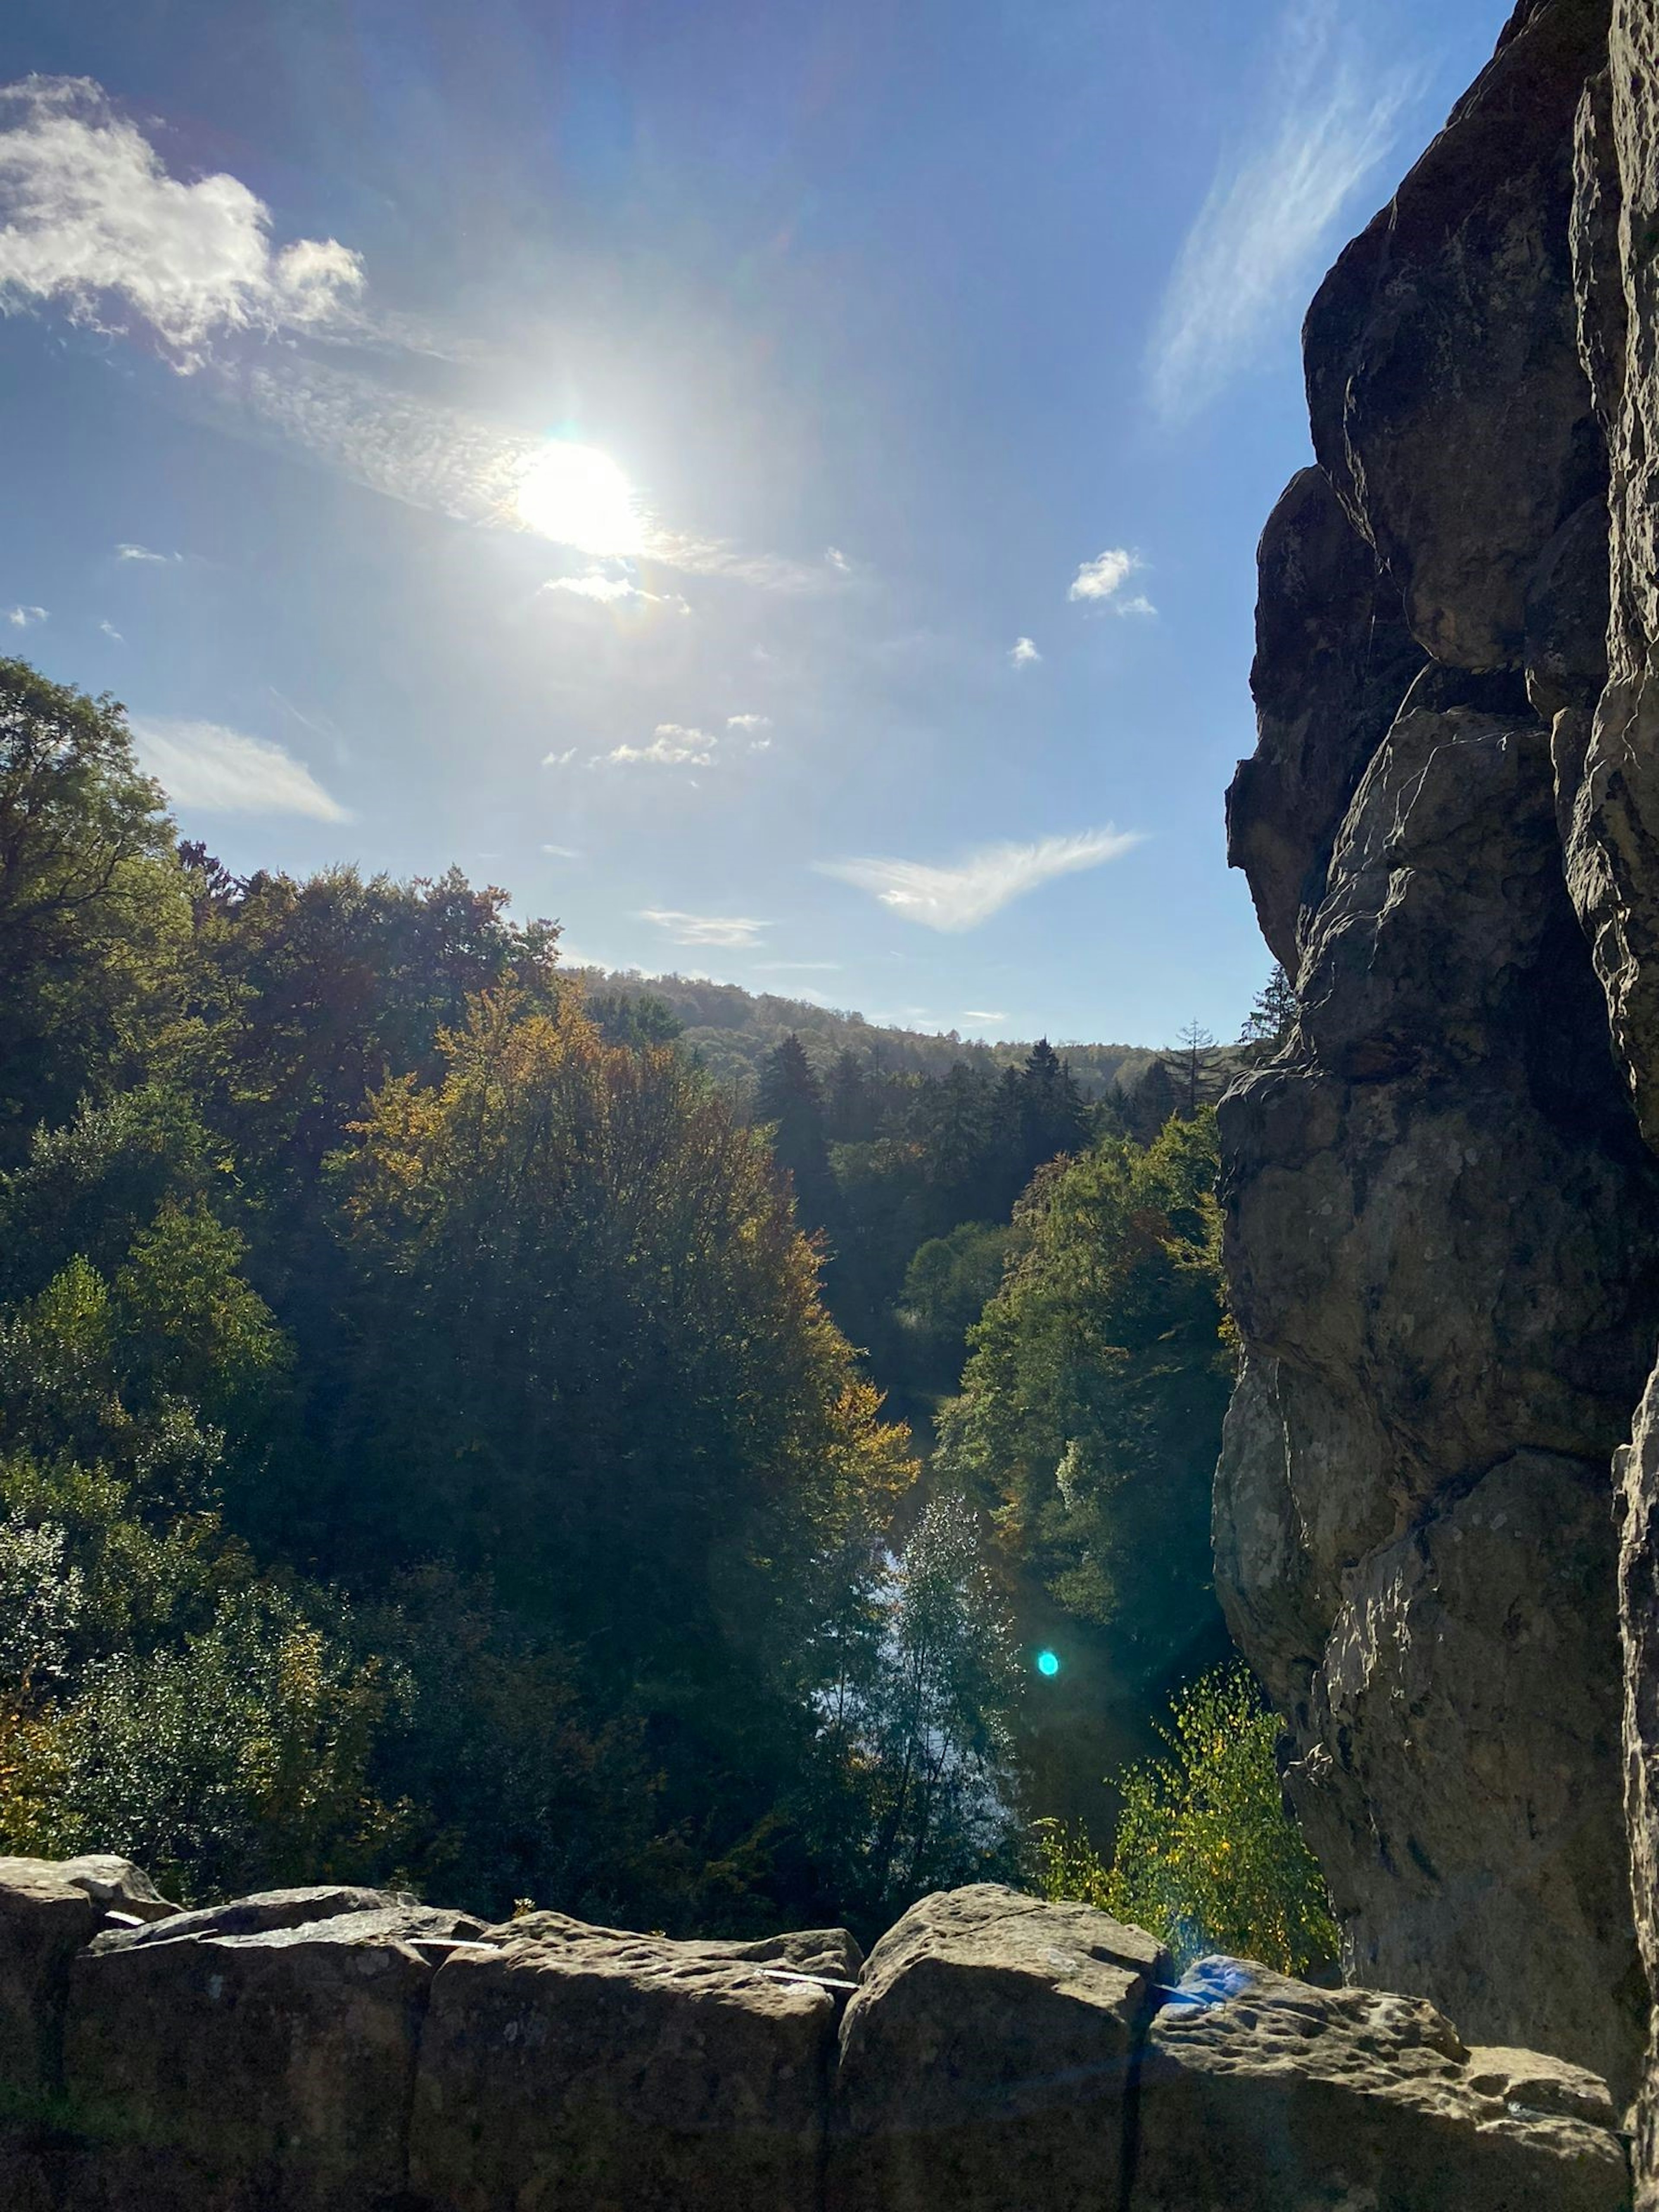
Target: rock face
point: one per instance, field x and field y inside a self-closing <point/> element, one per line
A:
<point x="988" y="2058"/>
<point x="261" y="2055"/>
<point x="313" y="2050"/>
<point x="49" y="1911"/>
<point x="1442" y="1217"/>
<point x="1257" y="2094"/>
<point x="626" y="2072"/>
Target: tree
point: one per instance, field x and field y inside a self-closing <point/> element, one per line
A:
<point x="1090" y="1418"/>
<point x="789" y="1099"/>
<point x="1267" y="1025"/>
<point x="1052" y="1118"/>
<point x="922" y="1708"/>
<point x="92" y="913"/>
<point x="1197" y="1045"/>
<point x="593" y="1369"/>
<point x="1207" y="1855"/>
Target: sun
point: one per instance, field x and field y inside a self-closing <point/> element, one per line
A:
<point x="578" y="497"/>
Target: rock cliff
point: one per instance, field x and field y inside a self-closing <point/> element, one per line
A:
<point x="1443" y="1212"/>
<point x="347" y="2051"/>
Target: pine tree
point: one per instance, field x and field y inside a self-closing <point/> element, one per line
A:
<point x="790" y="1097"/>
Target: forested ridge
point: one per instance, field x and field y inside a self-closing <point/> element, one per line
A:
<point x="450" y="1432"/>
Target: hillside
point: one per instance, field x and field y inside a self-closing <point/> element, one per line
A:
<point x="733" y="1031"/>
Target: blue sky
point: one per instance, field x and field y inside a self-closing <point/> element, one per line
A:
<point x="622" y="449"/>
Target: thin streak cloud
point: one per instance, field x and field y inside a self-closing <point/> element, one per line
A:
<point x="211" y="769"/>
<point x="983" y="883"/>
<point x="1331" y="116"/>
<point x="733" y="932"/>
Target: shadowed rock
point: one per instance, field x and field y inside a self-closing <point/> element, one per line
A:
<point x="584" y="2066"/>
<point x="1259" y="2094"/>
<point x="988" y="2058"/>
<point x="245" y="2059"/>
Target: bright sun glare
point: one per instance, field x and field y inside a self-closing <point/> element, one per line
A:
<point x="578" y="497"/>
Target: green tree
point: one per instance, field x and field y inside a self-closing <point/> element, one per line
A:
<point x="1090" y="1418"/>
<point x="92" y="912"/>
<point x="1267" y="1025"/>
<point x="789" y="1101"/>
<point x="1207" y="1855"/>
<point x="921" y="1708"/>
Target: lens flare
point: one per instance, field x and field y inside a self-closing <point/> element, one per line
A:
<point x="1048" y="1662"/>
<point x="578" y="497"/>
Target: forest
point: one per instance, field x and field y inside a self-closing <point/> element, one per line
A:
<point x="452" y="1434"/>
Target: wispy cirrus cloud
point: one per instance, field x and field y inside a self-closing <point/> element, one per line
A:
<point x="216" y="770"/>
<point x="111" y="633"/>
<point x="733" y="932"/>
<point x="130" y="552"/>
<point x="983" y="882"/>
<point x="1331" y="115"/>
<point x="607" y="591"/>
<point x="93" y="224"/>
<point x="27" y="617"/>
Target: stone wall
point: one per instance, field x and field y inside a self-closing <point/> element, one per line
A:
<point x="1443" y="1214"/>
<point x="341" y="2050"/>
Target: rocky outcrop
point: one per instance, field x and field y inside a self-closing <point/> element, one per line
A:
<point x="1253" y="2087"/>
<point x="315" y="2050"/>
<point x="1443" y="1218"/>
<point x="988" y="2058"/>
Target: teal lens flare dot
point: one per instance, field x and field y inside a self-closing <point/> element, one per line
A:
<point x="1048" y="1662"/>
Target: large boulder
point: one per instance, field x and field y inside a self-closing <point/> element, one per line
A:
<point x="254" y="2058"/>
<point x="49" y="1910"/>
<point x="622" y="2073"/>
<point x="988" y="2058"/>
<point x="1259" y="2094"/>
<point x="1448" y="405"/>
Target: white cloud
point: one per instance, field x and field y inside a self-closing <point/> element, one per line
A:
<point x="835" y="559"/>
<point x="750" y="722"/>
<point x="1140" y="605"/>
<point x="615" y="592"/>
<point x="559" y="759"/>
<point x="562" y="852"/>
<point x="25" y="617"/>
<point x="1255" y="248"/>
<point x="1023" y="653"/>
<point x="143" y="553"/>
<point x="94" y="223"/>
<point x="983" y="882"/>
<point x="672" y="746"/>
<point x="732" y="931"/>
<point x="1106" y="574"/>
<point x="973" y="1015"/>
<point x="219" y="771"/>
<point x="111" y="632"/>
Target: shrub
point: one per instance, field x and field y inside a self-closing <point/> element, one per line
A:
<point x="1207" y="1857"/>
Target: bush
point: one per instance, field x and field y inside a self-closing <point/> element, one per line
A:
<point x="1207" y="1857"/>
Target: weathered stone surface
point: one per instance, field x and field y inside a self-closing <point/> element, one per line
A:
<point x="1414" y="1541"/>
<point x="266" y="2069"/>
<point x="987" y="2058"/>
<point x="1260" y="2094"/>
<point x="582" y="2066"/>
<point x="1333" y="659"/>
<point x="49" y="1910"/>
<point x="1448" y="402"/>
